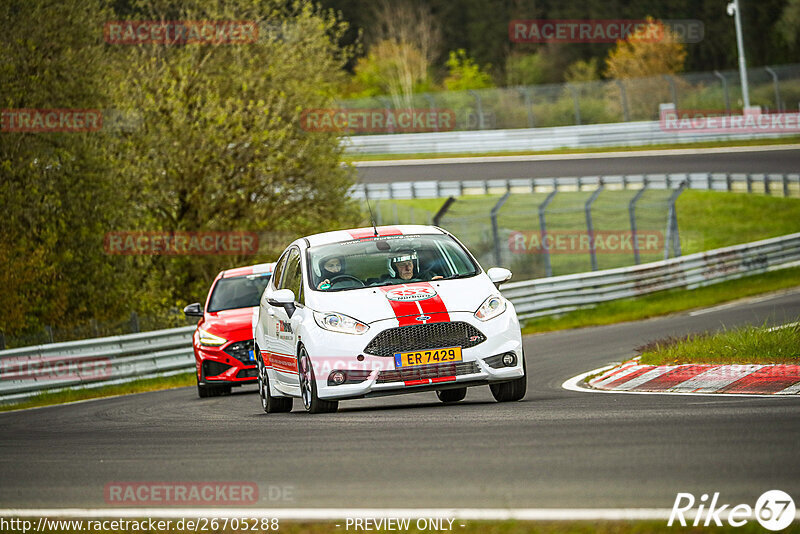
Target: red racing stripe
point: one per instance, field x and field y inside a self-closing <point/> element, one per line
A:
<point x="435" y="307"/>
<point x="673" y="377"/>
<point x="405" y="311"/>
<point x="366" y="233"/>
<point x="770" y="379"/>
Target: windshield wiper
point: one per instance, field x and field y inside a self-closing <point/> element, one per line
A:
<point x="461" y="275"/>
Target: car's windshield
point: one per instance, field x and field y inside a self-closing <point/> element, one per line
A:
<point x="387" y="260"/>
<point x="238" y="292"/>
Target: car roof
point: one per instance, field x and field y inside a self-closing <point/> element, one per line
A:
<point x="260" y="268"/>
<point x="369" y="232"/>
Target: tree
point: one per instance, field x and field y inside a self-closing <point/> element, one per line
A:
<point x="464" y="73"/>
<point x="220" y="144"/>
<point x="639" y="57"/>
<point x="789" y="22"/>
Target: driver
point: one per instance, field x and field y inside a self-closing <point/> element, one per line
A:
<point x="330" y="267"/>
<point x="404" y="267"/>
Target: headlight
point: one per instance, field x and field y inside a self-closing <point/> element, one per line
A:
<point x="209" y="339"/>
<point x="338" y="322"/>
<point x="491" y="308"/>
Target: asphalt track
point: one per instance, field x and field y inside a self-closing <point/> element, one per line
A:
<point x="732" y="160"/>
<point x="556" y="448"/>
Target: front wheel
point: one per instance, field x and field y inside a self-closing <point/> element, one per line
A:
<point x="308" y="386"/>
<point x="451" y="395"/>
<point x="269" y="403"/>
<point x="513" y="390"/>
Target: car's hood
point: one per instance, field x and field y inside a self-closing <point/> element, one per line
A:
<point x="420" y="298"/>
<point x="233" y="325"/>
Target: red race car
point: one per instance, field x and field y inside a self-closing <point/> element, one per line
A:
<point x="223" y="341"/>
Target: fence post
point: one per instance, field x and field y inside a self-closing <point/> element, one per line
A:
<point x="134" y="323"/>
<point x="672" y="224"/>
<point x="2" y="340"/>
<point x="479" y="107"/>
<point x="528" y="106"/>
<point x="498" y="257"/>
<point x="387" y="105"/>
<point x="632" y="216"/>
<point x="431" y="107"/>
<point x="729" y="181"/>
<point x="775" y="85"/>
<point x="548" y="269"/>
<point x="749" y="183"/>
<point x="576" y="100"/>
<point x="785" y="185"/>
<point x="589" y="227"/>
<point x="767" y="185"/>
<point x="624" y="98"/>
<point x="446" y="206"/>
<point x="48" y="332"/>
<point x="724" y="81"/>
<point x="672" y="90"/>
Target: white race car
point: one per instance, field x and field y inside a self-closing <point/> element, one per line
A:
<point x="381" y="311"/>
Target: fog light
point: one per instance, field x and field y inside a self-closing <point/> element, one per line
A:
<point x="338" y="377"/>
<point x="509" y="359"/>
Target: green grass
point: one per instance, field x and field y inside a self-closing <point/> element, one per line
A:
<point x="708" y="144"/>
<point x="72" y="395"/>
<point x="501" y="527"/>
<point x="666" y="302"/>
<point x="746" y="345"/>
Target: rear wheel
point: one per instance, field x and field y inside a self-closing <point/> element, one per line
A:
<point x="308" y="387"/>
<point x="269" y="403"/>
<point x="513" y="390"/>
<point x="451" y="395"/>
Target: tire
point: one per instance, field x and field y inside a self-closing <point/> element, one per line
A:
<point x="208" y="390"/>
<point x="308" y="386"/>
<point x="451" y="395"/>
<point x="269" y="403"/>
<point x="513" y="390"/>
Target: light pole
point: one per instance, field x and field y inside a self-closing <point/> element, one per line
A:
<point x="733" y="9"/>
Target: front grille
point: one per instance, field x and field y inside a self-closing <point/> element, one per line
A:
<point x="247" y="373"/>
<point x="212" y="368"/>
<point x="425" y="336"/>
<point x="438" y="370"/>
<point x="240" y="350"/>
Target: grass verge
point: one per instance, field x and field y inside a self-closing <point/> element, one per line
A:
<point x="665" y="302"/>
<point x="350" y="158"/>
<point x="72" y="395"/>
<point x="745" y="345"/>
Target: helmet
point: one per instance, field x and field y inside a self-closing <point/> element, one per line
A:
<point x="402" y="255"/>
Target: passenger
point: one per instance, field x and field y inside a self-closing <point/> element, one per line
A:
<point x="330" y="267"/>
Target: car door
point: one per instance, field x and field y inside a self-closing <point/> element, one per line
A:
<point x="283" y="355"/>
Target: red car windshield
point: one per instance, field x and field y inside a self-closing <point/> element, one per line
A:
<point x="238" y="292"/>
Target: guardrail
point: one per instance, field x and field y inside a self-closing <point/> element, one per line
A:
<point x="539" y="139"/>
<point x="118" y="359"/>
<point x="783" y="184"/>
<point x="27" y="371"/>
<point x="559" y="294"/>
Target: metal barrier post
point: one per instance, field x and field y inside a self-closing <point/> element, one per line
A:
<point x="767" y="185"/>
<point x="574" y="91"/>
<point x="775" y="85"/>
<point x="672" y="224"/>
<point x="479" y="107"/>
<point x="548" y="269"/>
<point x="729" y="181"/>
<point x="446" y="206"/>
<point x="134" y="322"/>
<point x="724" y="81"/>
<point x="632" y="215"/>
<point x="587" y="208"/>
<point x="672" y="90"/>
<point x="498" y="257"/>
<point x="785" y="185"/>
<point x="528" y="106"/>
<point x="749" y="183"/>
<point x="624" y="98"/>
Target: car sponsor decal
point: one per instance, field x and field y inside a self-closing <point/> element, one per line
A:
<point x="412" y="302"/>
<point x="280" y="362"/>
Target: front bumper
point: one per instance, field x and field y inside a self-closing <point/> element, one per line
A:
<point x="378" y="375"/>
<point x="216" y="366"/>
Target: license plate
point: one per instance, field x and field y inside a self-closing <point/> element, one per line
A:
<point x="427" y="357"/>
<point x="251" y="355"/>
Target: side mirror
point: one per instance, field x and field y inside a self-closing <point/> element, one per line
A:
<point x="498" y="275"/>
<point x="193" y="310"/>
<point x="283" y="298"/>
